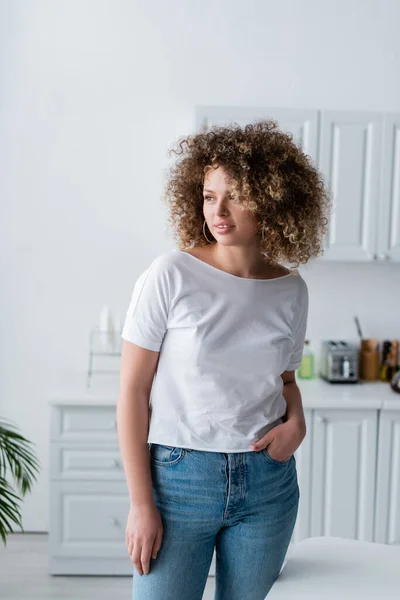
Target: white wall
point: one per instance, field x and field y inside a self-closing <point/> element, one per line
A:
<point x="92" y="93"/>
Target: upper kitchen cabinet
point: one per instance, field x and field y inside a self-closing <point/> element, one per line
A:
<point x="350" y="160"/>
<point x="388" y="245"/>
<point x="303" y="124"/>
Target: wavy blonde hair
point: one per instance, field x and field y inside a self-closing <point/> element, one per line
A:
<point x="270" y="176"/>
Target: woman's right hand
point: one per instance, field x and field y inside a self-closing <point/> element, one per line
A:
<point x="143" y="535"/>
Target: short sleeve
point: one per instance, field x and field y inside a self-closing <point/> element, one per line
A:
<point x="147" y="316"/>
<point x="299" y="329"/>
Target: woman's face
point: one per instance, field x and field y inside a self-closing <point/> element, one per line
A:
<point x="218" y="207"/>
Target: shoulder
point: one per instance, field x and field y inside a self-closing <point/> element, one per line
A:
<point x="301" y="296"/>
<point x="299" y="281"/>
<point x="295" y="278"/>
<point x="166" y="261"/>
<point x="298" y="289"/>
<point x="163" y="268"/>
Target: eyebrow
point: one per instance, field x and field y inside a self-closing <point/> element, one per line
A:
<point x="212" y="191"/>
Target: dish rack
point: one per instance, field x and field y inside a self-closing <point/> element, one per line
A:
<point x="104" y="355"/>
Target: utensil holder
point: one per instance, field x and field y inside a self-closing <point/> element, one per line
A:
<point x="369" y="360"/>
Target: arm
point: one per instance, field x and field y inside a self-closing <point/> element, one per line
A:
<point x="144" y="529"/>
<point x="143" y="332"/>
<point x="286" y="437"/>
<point x="138" y="366"/>
<point x="292" y="395"/>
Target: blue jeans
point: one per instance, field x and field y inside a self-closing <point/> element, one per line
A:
<point x="242" y="504"/>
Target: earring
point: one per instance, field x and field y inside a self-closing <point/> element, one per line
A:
<point x="204" y="231"/>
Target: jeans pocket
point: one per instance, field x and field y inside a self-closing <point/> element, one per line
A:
<point x="163" y="455"/>
<point x="274" y="461"/>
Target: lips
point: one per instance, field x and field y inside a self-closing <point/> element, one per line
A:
<point x="223" y="230"/>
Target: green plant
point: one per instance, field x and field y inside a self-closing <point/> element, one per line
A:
<point x="17" y="455"/>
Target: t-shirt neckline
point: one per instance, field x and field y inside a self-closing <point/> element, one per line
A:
<point x="235" y="276"/>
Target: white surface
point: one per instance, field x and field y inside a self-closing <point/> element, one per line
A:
<point x="337" y="569"/>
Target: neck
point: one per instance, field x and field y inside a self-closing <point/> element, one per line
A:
<point x="242" y="261"/>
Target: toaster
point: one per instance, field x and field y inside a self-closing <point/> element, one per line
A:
<point x="339" y="361"/>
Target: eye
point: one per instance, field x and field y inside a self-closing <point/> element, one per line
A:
<point x="235" y="199"/>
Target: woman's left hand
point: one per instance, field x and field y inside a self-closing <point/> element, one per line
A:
<point x="283" y="440"/>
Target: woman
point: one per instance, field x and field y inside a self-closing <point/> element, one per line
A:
<point x="212" y="338"/>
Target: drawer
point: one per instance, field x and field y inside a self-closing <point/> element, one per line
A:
<point x="88" y="519"/>
<point x="77" y="462"/>
<point x="85" y="423"/>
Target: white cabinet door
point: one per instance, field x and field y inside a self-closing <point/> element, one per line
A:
<point x="343" y="473"/>
<point x="88" y="519"/>
<point x="389" y="205"/>
<point x="303" y="465"/>
<point x="302" y="123"/>
<point x="387" y="515"/>
<point x="350" y="160"/>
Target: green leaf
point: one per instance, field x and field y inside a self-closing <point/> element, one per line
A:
<point x="17" y="454"/>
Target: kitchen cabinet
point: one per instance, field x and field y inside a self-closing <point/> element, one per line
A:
<point x="343" y="473"/>
<point x="89" y="501"/>
<point x="350" y="160"/>
<point x="387" y="523"/>
<point x="388" y="244"/>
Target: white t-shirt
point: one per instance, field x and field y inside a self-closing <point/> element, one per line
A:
<point x="224" y="342"/>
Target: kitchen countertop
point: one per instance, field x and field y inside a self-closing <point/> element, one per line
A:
<point x="316" y="393"/>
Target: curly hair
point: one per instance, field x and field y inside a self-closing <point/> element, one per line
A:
<point x="270" y="176"/>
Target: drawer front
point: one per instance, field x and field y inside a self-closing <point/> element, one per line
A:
<point x="77" y="462"/>
<point x="88" y="519"/>
<point x="84" y="423"/>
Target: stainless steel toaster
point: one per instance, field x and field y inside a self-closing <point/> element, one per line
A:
<point x="339" y="361"/>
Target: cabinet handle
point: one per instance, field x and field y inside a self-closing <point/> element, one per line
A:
<point x="114" y="521"/>
<point x="114" y="463"/>
<point x="383" y="256"/>
<point x="113" y="424"/>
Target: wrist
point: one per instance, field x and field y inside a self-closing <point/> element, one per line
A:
<point x="298" y="422"/>
<point x="150" y="505"/>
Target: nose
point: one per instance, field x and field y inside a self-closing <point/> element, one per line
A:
<point x="221" y="208"/>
